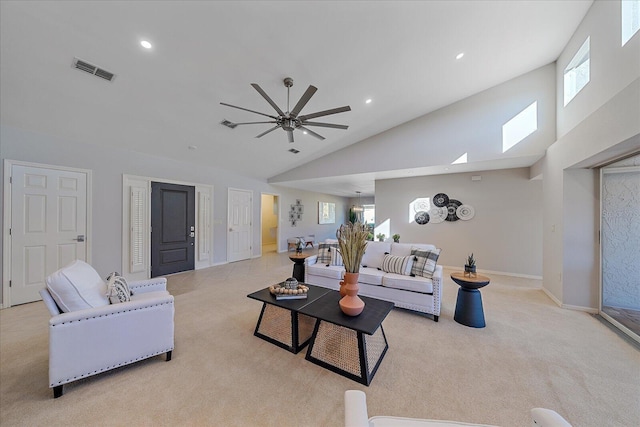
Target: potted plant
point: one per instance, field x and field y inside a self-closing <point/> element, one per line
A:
<point x="352" y="242"/>
<point x="380" y="237"/>
<point x="470" y="266"/>
<point x="370" y="236"/>
<point x="396" y="238"/>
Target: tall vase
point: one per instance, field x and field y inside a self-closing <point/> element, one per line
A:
<point x="350" y="304"/>
<point x="348" y="278"/>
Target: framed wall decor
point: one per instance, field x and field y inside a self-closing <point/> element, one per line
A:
<point x="326" y="213"/>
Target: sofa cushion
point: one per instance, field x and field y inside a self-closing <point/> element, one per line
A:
<point x="77" y="286"/>
<point x="397" y="264"/>
<point x="331" y="272"/>
<point x="425" y="262"/>
<point x="371" y="276"/>
<point x="374" y="254"/>
<point x="408" y="283"/>
<point x="117" y="289"/>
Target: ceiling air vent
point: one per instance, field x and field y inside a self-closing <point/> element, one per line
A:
<point x="228" y="124"/>
<point x="92" y="69"/>
<point x="294" y="151"/>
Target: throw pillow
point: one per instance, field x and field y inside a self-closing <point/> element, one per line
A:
<point x="117" y="289"/>
<point x="397" y="264"/>
<point x="425" y="262"/>
<point x="336" y="257"/>
<point x="324" y="253"/>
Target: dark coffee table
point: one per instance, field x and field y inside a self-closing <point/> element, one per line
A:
<point x="280" y="322"/>
<point x="350" y="346"/>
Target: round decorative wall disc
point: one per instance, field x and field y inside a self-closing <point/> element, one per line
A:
<point x="422" y="217"/>
<point x="421" y="205"/>
<point x="437" y="215"/>
<point x="452" y="207"/>
<point x="441" y="200"/>
<point x="465" y="212"/>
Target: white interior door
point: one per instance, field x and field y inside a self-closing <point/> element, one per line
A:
<point x="48" y="226"/>
<point x="240" y="225"/>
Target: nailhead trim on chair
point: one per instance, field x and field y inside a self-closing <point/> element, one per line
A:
<point x="68" y="380"/>
<point x="111" y="314"/>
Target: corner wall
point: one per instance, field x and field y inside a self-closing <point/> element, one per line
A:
<point x="602" y="121"/>
<point x="505" y="234"/>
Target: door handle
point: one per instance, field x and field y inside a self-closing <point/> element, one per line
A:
<point x="80" y="238"/>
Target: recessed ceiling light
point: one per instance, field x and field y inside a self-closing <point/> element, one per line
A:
<point x="460" y="55"/>
<point x="368" y="101"/>
<point x="145" y="44"/>
<point x="304" y="131"/>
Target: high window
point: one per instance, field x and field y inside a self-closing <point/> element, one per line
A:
<point x="630" y="19"/>
<point x="576" y="75"/>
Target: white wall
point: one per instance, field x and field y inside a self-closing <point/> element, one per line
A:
<point x="441" y="137"/>
<point x="603" y="118"/>
<point x="505" y="234"/>
<point x="108" y="166"/>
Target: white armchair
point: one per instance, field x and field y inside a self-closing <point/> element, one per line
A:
<point x="355" y="415"/>
<point x="99" y="336"/>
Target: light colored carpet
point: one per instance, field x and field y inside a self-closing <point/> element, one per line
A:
<point x="531" y="354"/>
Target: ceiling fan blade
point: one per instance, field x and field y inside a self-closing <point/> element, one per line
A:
<point x="303" y="100"/>
<point x="266" y="132"/>
<point x="254" y="123"/>
<point x="326" y="125"/>
<point x="310" y="132"/>
<point x="265" y="96"/>
<point x="246" y="109"/>
<point x="325" y="113"/>
<point x="290" y="135"/>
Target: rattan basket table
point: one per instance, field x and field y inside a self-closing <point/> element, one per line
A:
<point x="280" y="322"/>
<point x="350" y="346"/>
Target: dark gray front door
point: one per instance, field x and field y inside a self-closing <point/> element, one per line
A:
<point x="172" y="228"/>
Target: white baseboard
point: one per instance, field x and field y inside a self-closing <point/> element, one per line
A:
<point x="552" y="297"/>
<point x="215" y="264"/>
<point x="559" y="303"/>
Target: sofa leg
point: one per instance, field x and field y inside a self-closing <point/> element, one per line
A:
<point x="168" y="355"/>
<point x="57" y="391"/>
<point x="435" y="318"/>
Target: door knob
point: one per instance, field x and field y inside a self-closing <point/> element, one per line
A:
<point x="80" y="238"/>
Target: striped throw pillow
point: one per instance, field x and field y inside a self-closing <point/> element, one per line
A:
<point x="425" y="262"/>
<point x="117" y="289"/>
<point x="397" y="264"/>
<point x="336" y="257"/>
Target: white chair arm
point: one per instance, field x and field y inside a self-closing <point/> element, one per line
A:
<point x="355" y="409"/>
<point x="541" y="417"/>
<point x="85" y="342"/>
<point x="148" y="285"/>
<point x="311" y="260"/>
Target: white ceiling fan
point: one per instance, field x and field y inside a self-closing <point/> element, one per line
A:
<point x="291" y="120"/>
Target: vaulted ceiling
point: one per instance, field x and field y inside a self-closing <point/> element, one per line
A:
<point x="166" y="100"/>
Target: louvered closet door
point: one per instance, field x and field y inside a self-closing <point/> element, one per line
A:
<point x="48" y="226"/>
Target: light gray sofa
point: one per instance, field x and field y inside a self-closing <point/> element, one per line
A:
<point x="88" y="335"/>
<point x="414" y="293"/>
